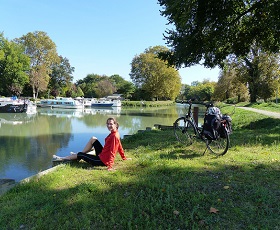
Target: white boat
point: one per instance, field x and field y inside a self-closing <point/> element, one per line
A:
<point x="85" y="101"/>
<point x="61" y="102"/>
<point x="103" y="102"/>
<point x="15" y="105"/>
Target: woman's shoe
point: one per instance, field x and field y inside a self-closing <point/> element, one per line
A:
<point x="57" y="158"/>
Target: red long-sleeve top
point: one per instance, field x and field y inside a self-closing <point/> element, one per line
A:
<point x="111" y="147"/>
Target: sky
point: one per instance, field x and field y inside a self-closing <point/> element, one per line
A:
<point x="96" y="36"/>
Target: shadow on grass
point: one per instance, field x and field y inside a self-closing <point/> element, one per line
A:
<point x="158" y="197"/>
<point x="262" y="132"/>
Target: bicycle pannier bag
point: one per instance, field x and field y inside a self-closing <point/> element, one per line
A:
<point x="228" y="121"/>
<point x="212" y="123"/>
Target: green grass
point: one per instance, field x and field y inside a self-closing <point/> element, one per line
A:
<point x="165" y="186"/>
<point x="147" y="103"/>
<point x="269" y="106"/>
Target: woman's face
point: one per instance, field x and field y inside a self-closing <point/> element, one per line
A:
<point x="111" y="125"/>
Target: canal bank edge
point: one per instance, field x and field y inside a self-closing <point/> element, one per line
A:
<point x="7" y="184"/>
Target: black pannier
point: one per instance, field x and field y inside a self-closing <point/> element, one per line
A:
<point x="228" y="121"/>
<point x="211" y="126"/>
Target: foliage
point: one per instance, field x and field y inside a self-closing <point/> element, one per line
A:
<point x="258" y="72"/>
<point x="13" y="67"/>
<point x="94" y="85"/>
<point x="104" y="88"/>
<point x="61" y="77"/>
<point x="229" y="86"/>
<point x="211" y="30"/>
<point x="202" y="91"/>
<point x="146" y="103"/>
<point x="42" y="53"/>
<point x="165" y="186"/>
<point x="153" y="76"/>
<point x="123" y="87"/>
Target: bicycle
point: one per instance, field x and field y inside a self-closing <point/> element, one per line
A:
<point x="187" y="131"/>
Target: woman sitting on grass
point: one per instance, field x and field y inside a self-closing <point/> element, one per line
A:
<point x="104" y="156"/>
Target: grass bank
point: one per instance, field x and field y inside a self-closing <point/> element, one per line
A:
<point x="147" y="103"/>
<point x="269" y="106"/>
<point x="165" y="186"/>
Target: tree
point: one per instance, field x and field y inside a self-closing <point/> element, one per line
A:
<point x="61" y="76"/>
<point x="153" y="76"/>
<point x="229" y="85"/>
<point x="211" y="30"/>
<point x="104" y="88"/>
<point x="13" y="67"/>
<point x="42" y="53"/>
<point x="258" y="71"/>
<point x="123" y="87"/>
<point x="89" y="84"/>
<point x="201" y="91"/>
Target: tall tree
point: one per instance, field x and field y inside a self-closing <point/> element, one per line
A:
<point x="61" y="76"/>
<point x="211" y="30"/>
<point x="89" y="84"/>
<point x="14" y="65"/>
<point x="153" y="76"/>
<point x="258" y="70"/>
<point x="229" y="85"/>
<point x="201" y="91"/>
<point x="104" y="88"/>
<point x="123" y="87"/>
<point x="42" y="52"/>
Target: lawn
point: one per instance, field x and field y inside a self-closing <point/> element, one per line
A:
<point x="165" y="186"/>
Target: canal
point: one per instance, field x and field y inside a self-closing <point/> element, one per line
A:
<point x="28" y="142"/>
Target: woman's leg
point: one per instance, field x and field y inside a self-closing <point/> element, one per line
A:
<point x="92" y="143"/>
<point x="92" y="159"/>
<point x="97" y="147"/>
<point x="71" y="157"/>
<point x="89" y="158"/>
<point x="89" y="145"/>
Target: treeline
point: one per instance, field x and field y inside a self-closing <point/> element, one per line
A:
<point x="30" y="65"/>
<point x="255" y="79"/>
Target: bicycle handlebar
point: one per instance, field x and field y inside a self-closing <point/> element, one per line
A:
<point x="207" y="105"/>
<point x="187" y="102"/>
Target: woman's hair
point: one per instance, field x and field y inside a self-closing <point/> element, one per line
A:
<point x="114" y="120"/>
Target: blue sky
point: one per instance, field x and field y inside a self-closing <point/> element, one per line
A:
<point x="97" y="36"/>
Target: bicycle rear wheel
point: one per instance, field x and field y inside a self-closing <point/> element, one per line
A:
<point x="220" y="146"/>
<point x="184" y="131"/>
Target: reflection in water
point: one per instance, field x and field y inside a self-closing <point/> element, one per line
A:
<point x="27" y="143"/>
<point x="15" y="118"/>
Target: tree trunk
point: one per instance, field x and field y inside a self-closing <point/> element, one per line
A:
<point x="253" y="80"/>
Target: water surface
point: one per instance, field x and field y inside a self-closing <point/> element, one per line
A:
<point x="27" y="142"/>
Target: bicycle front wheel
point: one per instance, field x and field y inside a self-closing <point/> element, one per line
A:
<point x="184" y="131"/>
<point x="220" y="146"/>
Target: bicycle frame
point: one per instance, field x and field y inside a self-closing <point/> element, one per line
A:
<point x="189" y="116"/>
<point x="186" y="131"/>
